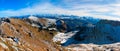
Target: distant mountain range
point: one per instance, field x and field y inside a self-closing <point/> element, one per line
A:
<point x="57" y="32"/>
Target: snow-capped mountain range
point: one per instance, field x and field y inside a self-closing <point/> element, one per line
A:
<point x="69" y="29"/>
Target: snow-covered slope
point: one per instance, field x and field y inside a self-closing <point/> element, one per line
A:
<point x="102" y="32"/>
<point x="33" y="18"/>
<point x="63" y="37"/>
<point x="71" y="32"/>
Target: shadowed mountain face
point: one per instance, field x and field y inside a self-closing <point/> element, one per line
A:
<point x="103" y="32"/>
<point x="47" y="34"/>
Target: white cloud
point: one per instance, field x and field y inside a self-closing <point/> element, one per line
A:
<point x="109" y="11"/>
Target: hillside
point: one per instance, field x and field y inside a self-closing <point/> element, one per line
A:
<point x="18" y="35"/>
<point x="58" y="34"/>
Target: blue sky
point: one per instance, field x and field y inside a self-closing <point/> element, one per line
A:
<point x="106" y="9"/>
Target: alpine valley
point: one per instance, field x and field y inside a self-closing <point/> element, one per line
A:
<point x="58" y="33"/>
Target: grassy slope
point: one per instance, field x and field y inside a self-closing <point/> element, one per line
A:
<point x="39" y="41"/>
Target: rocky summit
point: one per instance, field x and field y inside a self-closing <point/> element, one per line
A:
<point x="35" y="33"/>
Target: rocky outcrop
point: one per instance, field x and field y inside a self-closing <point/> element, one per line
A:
<point x="61" y="26"/>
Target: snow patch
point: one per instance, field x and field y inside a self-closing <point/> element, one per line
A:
<point x="63" y="37"/>
<point x="35" y="25"/>
<point x="33" y="18"/>
<point x="52" y="20"/>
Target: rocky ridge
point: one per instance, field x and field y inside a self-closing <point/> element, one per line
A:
<point x="49" y="34"/>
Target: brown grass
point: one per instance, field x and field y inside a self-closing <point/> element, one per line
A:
<point x="29" y="37"/>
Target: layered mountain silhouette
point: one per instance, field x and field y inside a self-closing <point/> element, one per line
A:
<point x="56" y="32"/>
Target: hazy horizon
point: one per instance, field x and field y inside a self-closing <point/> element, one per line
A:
<point x="107" y="9"/>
